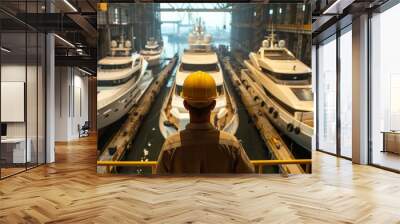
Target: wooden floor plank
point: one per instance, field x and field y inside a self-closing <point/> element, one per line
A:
<point x="70" y="191"/>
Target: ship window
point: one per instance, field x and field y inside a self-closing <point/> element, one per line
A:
<point x="178" y="90"/>
<point x="220" y="90"/>
<point x="105" y="83"/>
<point x="303" y="94"/>
<point x="115" y="66"/>
<point x="200" y="67"/>
<point x="292" y="79"/>
<point x="278" y="55"/>
<point x="137" y="62"/>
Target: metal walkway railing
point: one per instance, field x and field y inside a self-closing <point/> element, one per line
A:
<point x="259" y="164"/>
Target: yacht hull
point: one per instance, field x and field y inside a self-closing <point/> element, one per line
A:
<point x="122" y="104"/>
<point x="285" y="122"/>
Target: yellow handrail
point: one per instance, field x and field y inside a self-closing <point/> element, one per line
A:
<point x="258" y="163"/>
<point x="127" y="163"/>
<point x="281" y="162"/>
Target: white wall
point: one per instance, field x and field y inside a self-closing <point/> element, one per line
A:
<point x="33" y="127"/>
<point x="50" y="95"/>
<point x="61" y="103"/>
<point x="71" y="102"/>
<point x="16" y="73"/>
<point x="10" y="73"/>
<point x="80" y="110"/>
<point x="314" y="89"/>
<point x="360" y="89"/>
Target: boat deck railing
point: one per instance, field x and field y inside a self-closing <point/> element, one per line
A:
<point x="259" y="164"/>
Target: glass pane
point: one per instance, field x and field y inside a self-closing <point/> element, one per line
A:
<point x="31" y="98"/>
<point x="346" y="94"/>
<point x="327" y="96"/>
<point x="13" y="87"/>
<point x="41" y="99"/>
<point x="385" y="83"/>
<point x="22" y="81"/>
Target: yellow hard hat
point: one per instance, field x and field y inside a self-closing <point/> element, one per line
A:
<point x="199" y="89"/>
<point x="102" y="6"/>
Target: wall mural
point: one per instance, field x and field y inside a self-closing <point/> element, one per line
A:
<point x="194" y="88"/>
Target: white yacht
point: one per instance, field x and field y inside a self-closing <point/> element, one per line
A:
<point x="121" y="81"/>
<point x="199" y="57"/>
<point x="152" y="52"/>
<point x="285" y="84"/>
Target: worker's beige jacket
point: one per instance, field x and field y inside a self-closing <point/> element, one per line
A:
<point x="200" y="148"/>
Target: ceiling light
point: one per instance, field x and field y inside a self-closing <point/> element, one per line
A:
<point x="5" y="50"/>
<point x="84" y="71"/>
<point x="334" y="5"/>
<point x="70" y="5"/>
<point x="64" y="40"/>
<point x="337" y="7"/>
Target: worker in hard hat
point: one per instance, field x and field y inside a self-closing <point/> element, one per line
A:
<point x="201" y="148"/>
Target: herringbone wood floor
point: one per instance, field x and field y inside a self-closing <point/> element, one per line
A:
<point x="70" y="191"/>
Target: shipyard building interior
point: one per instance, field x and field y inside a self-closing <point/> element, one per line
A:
<point x="91" y="89"/>
<point x="233" y="31"/>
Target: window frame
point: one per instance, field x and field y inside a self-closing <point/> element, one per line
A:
<point x="334" y="37"/>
